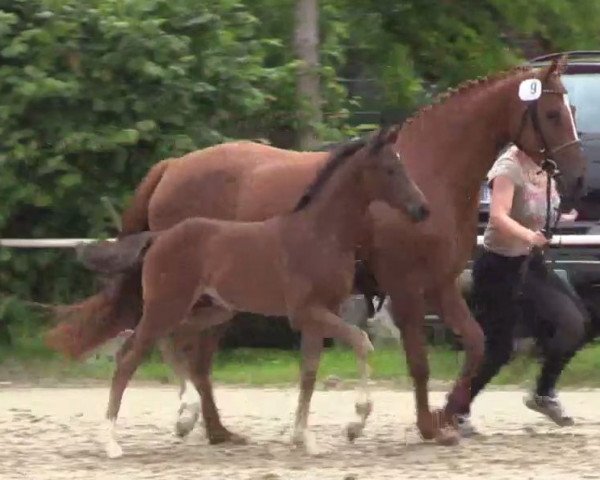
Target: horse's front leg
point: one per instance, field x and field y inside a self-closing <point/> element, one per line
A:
<point x="408" y="311"/>
<point x="456" y="314"/>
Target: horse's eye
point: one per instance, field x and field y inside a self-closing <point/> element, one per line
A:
<point x="553" y="115"/>
<point x="389" y="170"/>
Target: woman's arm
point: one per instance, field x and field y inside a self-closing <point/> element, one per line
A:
<point x="500" y="206"/>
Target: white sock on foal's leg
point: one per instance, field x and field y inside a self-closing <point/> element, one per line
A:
<point x="364" y="404"/>
<point x="112" y="447"/>
<point x="189" y="409"/>
<point x="303" y="437"/>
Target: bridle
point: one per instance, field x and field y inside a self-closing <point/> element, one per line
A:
<point x="548" y="165"/>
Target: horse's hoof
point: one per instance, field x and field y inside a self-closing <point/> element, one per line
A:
<point x="225" y="436"/>
<point x="354" y="430"/>
<point x="114" y="450"/>
<point x="447" y="437"/>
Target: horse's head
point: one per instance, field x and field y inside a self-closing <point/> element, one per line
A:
<point x="387" y="179"/>
<point x="545" y="129"/>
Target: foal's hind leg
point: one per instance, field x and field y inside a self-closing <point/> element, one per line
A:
<point x="128" y="359"/>
<point x="154" y="324"/>
<point x="174" y="354"/>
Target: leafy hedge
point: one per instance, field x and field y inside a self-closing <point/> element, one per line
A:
<point x="92" y="92"/>
<point x="95" y="91"/>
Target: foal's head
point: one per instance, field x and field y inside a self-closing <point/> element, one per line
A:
<point x="385" y="176"/>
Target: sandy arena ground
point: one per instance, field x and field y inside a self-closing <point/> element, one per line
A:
<point x="52" y="433"/>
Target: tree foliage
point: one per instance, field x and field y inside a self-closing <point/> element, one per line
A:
<point x="92" y="92"/>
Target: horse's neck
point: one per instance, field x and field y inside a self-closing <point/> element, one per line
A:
<point x="338" y="210"/>
<point x="468" y="138"/>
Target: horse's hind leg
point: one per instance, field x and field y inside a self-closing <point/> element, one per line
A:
<point x="456" y="315"/>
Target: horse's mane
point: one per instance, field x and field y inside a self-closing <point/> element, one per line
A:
<point x="337" y="158"/>
<point x="464" y="88"/>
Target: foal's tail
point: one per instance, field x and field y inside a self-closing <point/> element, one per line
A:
<point x="88" y="324"/>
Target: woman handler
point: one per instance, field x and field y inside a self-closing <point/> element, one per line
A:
<point x="513" y="285"/>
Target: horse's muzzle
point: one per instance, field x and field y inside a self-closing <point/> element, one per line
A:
<point x="418" y="213"/>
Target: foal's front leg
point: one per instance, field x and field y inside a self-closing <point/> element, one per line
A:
<point x="311" y="349"/>
<point x="327" y="324"/>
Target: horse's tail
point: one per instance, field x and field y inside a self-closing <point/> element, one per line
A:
<point x="88" y="324"/>
<point x="135" y="218"/>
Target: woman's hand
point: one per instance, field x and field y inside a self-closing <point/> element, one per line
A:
<point x="537" y="239"/>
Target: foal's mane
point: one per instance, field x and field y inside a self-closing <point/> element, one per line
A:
<point x="336" y="159"/>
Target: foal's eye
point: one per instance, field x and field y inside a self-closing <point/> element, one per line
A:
<point x="389" y="171"/>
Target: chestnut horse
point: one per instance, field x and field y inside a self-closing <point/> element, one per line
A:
<point x="448" y="149"/>
<point x="300" y="264"/>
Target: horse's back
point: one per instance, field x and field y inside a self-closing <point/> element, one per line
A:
<point x="235" y="180"/>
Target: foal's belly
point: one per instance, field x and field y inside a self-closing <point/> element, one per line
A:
<point x="243" y="272"/>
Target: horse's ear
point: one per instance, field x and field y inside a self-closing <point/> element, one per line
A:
<point x="557" y="66"/>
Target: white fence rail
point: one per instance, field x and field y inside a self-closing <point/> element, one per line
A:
<point x="589" y="241"/>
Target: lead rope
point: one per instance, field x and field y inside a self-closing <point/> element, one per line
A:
<point x="550" y="168"/>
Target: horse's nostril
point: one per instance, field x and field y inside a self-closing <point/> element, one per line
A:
<point x="420" y="213"/>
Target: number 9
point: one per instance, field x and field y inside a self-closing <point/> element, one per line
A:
<point x="533" y="88"/>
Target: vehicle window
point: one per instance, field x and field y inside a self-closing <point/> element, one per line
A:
<point x="584" y="93"/>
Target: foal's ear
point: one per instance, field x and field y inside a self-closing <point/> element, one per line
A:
<point x="387" y="135"/>
<point x="392" y="133"/>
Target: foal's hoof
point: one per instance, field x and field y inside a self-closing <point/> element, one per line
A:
<point x="186" y="421"/>
<point x="447" y="437"/>
<point x="114" y="450"/>
<point x="225" y="436"/>
<point x="305" y="441"/>
<point x="354" y="430"/>
<point x="364" y="409"/>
